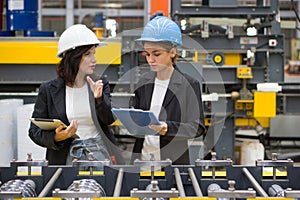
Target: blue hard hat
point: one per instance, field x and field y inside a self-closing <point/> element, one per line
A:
<point x="161" y="29"/>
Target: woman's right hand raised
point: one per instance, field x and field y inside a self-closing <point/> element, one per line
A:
<point x="62" y="133"/>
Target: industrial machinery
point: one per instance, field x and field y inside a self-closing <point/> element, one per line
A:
<point x="207" y="178"/>
<point x="237" y="54"/>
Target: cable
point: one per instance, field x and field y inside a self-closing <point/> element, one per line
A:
<point x="296" y="13"/>
<point x="294" y="8"/>
<point x="261" y="45"/>
<point x="224" y="118"/>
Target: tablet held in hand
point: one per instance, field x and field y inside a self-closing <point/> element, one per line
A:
<point x="47" y="124"/>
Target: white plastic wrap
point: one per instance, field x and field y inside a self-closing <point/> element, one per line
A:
<point x="250" y="152"/>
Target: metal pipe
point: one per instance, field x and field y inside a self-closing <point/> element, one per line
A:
<point x="70" y="13"/>
<point x="195" y="183"/>
<point x="39" y="20"/>
<point x="179" y="183"/>
<point x="297" y="22"/>
<point x="1" y="13"/>
<point x="50" y="183"/>
<point x="255" y="184"/>
<point x="119" y="181"/>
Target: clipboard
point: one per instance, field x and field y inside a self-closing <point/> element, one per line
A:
<point x="136" y="121"/>
<point x="47" y="124"/>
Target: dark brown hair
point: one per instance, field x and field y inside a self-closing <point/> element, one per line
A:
<point x="68" y="67"/>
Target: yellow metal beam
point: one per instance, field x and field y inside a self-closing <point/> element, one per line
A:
<point x="24" y="52"/>
<point x="44" y="52"/>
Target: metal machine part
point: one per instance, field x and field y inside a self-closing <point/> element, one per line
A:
<point x="274" y="163"/>
<point x="87" y="185"/>
<point x="153" y="186"/>
<point x="50" y="183"/>
<point x="91" y="164"/>
<point x="215" y="187"/>
<point x="175" y="181"/>
<point x="213" y="163"/>
<point x="82" y="189"/>
<point x="195" y="182"/>
<point x="287" y="124"/>
<point x="255" y="184"/>
<point x="29" y="163"/>
<point x="276" y="191"/>
<point x="152" y="164"/>
<point x="290" y="193"/>
<point x="231" y="193"/>
<point x="118" y="185"/>
<point x="18" y="188"/>
<point x="152" y="192"/>
<point x="179" y="182"/>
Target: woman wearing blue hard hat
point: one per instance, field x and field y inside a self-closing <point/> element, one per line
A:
<point x="173" y="96"/>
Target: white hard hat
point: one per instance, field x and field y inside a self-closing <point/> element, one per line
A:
<point x="75" y="36"/>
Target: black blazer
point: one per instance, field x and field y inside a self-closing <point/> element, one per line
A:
<point x="51" y="103"/>
<point x="181" y="110"/>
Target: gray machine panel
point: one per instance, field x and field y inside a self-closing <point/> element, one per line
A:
<point x="285" y="126"/>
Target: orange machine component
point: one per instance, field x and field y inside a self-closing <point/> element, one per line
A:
<point x="159" y="6"/>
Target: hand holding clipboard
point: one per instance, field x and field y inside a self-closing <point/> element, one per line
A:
<point x="137" y="121"/>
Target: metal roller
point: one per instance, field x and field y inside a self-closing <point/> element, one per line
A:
<point x="85" y="185"/>
<point x="51" y="182"/>
<point x="255" y="184"/>
<point x="26" y="187"/>
<point x="195" y="183"/>
<point x="179" y="182"/>
<point x="118" y="186"/>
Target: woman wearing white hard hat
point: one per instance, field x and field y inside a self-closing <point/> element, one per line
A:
<point x="173" y="96"/>
<point x="80" y="99"/>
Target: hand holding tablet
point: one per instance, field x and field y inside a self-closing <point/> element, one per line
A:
<point x="47" y="124"/>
